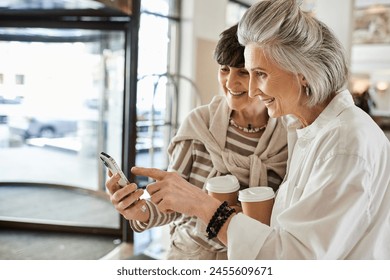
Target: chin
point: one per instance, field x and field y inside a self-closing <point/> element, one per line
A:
<point x="273" y="114"/>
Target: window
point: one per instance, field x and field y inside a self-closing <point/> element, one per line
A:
<point x="70" y="83"/>
<point x="65" y="76"/>
<point x="19" y="79"/>
<point x="157" y="36"/>
<point x="157" y="61"/>
<point x="234" y="11"/>
<point x="52" y="136"/>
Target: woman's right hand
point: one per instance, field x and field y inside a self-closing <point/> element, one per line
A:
<point x="126" y="200"/>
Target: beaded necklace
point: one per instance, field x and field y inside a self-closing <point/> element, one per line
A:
<point x="248" y="129"/>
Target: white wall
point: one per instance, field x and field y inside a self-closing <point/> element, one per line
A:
<point x="338" y="15"/>
<point x="203" y="21"/>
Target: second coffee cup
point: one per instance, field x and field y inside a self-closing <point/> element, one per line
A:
<point x="224" y="188"/>
<point x="257" y="202"/>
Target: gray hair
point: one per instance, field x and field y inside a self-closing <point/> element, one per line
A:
<point x="298" y="43"/>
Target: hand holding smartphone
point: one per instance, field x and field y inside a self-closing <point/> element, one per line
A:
<point x="111" y="164"/>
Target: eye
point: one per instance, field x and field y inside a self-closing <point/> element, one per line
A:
<point x="224" y="69"/>
<point x="243" y="72"/>
<point x="261" y="74"/>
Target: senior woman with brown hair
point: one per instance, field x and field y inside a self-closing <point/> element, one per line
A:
<point x="334" y="201"/>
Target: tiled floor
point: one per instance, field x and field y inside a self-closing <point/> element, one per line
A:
<point x="56" y="205"/>
<point x="36" y="245"/>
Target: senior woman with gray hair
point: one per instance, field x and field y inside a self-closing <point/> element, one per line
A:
<point x="334" y="201"/>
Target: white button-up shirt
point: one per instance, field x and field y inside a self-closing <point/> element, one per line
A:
<point x="335" y="200"/>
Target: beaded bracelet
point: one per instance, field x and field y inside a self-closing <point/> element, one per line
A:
<point x="219" y="218"/>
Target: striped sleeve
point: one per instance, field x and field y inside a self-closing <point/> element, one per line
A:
<point x="156" y="218"/>
<point x="181" y="162"/>
<point x="181" y="159"/>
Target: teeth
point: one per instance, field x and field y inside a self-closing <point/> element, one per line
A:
<point x="236" y="93"/>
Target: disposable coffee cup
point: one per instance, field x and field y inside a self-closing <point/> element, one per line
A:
<point x="224" y="188"/>
<point x="257" y="202"/>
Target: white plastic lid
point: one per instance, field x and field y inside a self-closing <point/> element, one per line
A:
<point x="254" y="194"/>
<point x="223" y="184"/>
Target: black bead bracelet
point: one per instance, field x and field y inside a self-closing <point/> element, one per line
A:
<point x="219" y="218"/>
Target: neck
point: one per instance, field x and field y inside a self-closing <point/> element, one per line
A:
<point x="249" y="123"/>
<point x="309" y="114"/>
<point x="244" y="119"/>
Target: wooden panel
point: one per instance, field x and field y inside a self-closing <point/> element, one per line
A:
<point x="125" y="6"/>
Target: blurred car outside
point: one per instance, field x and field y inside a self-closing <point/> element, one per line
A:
<point x="48" y="119"/>
<point x="31" y="121"/>
<point x="8" y="104"/>
<point x="41" y="127"/>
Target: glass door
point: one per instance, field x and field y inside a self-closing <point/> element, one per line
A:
<point x="67" y="73"/>
<point x="60" y="100"/>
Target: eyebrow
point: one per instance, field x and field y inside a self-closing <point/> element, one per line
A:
<point x="257" y="68"/>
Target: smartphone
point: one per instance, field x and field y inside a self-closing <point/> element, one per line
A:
<point x="111" y="164"/>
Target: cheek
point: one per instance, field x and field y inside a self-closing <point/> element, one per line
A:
<point x="283" y="89"/>
<point x="222" y="84"/>
<point x="275" y="85"/>
<point x="256" y="83"/>
<point x="244" y="84"/>
<point x="286" y="103"/>
<point x="280" y="108"/>
<point x="220" y="79"/>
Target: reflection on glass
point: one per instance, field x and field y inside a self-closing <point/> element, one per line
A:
<point x="155" y="103"/>
<point x="152" y="97"/>
<point x="58" y="101"/>
<point x="50" y="4"/>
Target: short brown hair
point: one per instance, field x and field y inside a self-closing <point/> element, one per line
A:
<point x="228" y="50"/>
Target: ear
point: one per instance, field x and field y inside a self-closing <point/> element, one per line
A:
<point x="302" y="80"/>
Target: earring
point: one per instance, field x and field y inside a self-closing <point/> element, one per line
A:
<point x="308" y="91"/>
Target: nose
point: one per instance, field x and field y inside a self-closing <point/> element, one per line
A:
<point x="253" y="89"/>
<point x="252" y="92"/>
<point x="231" y="81"/>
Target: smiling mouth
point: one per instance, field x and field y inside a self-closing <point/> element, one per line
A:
<point x="268" y="101"/>
<point x="237" y="93"/>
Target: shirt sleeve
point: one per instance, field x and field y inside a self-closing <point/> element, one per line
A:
<point x="324" y="220"/>
<point x="156" y="218"/>
<point x="244" y="244"/>
<point x="180" y="160"/>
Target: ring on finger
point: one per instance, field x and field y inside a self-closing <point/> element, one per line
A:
<point x="143" y="208"/>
